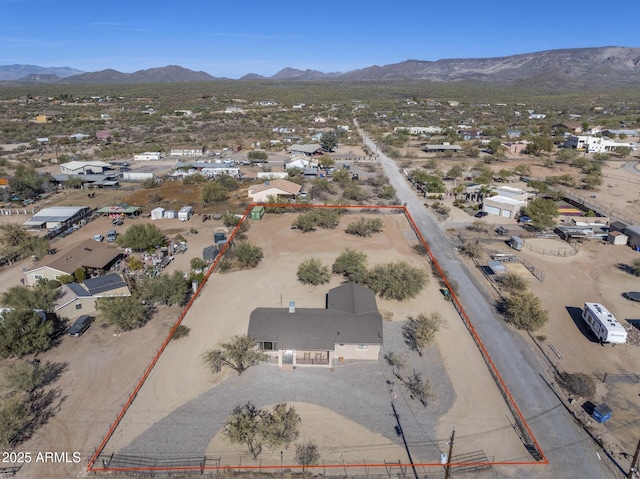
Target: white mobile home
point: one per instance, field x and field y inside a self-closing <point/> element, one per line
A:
<point x="603" y="324"/>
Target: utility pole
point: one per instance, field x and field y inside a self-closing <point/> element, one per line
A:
<point x="447" y="468"/>
<point x="634" y="462"/>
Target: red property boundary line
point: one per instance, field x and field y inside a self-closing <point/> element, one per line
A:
<point x="296" y="207"/>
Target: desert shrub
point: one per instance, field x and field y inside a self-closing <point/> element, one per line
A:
<point x="352" y="265"/>
<point x="365" y="227"/>
<point x="399" y="281"/>
<point x="247" y="255"/>
<point x="313" y="271"/>
<point x="317" y="218"/>
<point x="524" y="311"/>
<point x="580" y="384"/>
<point x="181" y="331"/>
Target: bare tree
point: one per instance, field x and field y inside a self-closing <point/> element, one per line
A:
<point x="239" y="354"/>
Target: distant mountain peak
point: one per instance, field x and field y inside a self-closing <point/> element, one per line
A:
<point x="601" y="66"/>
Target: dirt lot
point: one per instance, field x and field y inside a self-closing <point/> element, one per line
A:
<point x="180" y="376"/>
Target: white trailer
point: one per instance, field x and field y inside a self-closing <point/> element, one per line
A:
<point x="185" y="213"/>
<point x="603" y="324"/>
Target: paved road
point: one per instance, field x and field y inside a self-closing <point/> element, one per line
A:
<point x="568" y="448"/>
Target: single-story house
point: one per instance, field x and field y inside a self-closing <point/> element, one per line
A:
<point x="306" y="150"/>
<point x="513" y="133"/>
<point x="147" y="156"/>
<point x="92" y="256"/>
<point x="84" y="167"/>
<point x="349" y="328"/>
<point x="103" y="135"/>
<point x="278" y="188"/>
<point x="185" y="168"/>
<point x="109" y="180"/>
<point x="441" y="148"/>
<point x="300" y="163"/>
<point x="502" y="206"/>
<point x="186" y="151"/>
<point x="80" y="298"/>
<point x="57" y="216"/>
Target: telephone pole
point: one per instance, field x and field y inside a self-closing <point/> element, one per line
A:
<point x="447" y="468"/>
<point x="634" y="462"/>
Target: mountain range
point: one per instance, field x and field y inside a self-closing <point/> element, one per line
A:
<point x="602" y="66"/>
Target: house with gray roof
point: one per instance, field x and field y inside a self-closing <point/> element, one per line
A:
<point x="349" y="328"/>
<point x="80" y="298"/>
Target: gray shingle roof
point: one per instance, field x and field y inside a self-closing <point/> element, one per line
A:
<point x="351" y="317"/>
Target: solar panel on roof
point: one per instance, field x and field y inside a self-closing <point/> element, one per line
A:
<point x="100" y="284"/>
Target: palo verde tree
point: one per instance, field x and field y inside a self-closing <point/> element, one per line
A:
<point x="123" y="312"/>
<point x="23" y="331"/>
<point x="543" y="212"/>
<point x="352" y="265"/>
<point x="165" y="289"/>
<point x="260" y="427"/>
<point x="365" y="227"/>
<point x="16" y="243"/>
<point x="313" y="271"/>
<point x="239" y="354"/>
<point x="42" y="296"/>
<point x="399" y="281"/>
<point x="328" y="141"/>
<point x="524" y="311"/>
<point x="419" y="331"/>
<point x="142" y="237"/>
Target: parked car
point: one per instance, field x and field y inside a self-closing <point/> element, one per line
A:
<point x="117" y="221"/>
<point x="481" y="214"/>
<point x="98" y="238"/>
<point x="79" y="326"/>
<point x="524" y="219"/>
<point x="111" y="236"/>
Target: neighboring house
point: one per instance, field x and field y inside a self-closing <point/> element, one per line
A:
<point x="41" y="118"/>
<point x="84" y="167"/>
<point x="513" y="133"/>
<point x="349" y="328"/>
<point x="204" y="168"/>
<point x="90" y="181"/>
<point x="504" y="206"/>
<point x="300" y="163"/>
<point x="57" y="216"/>
<point x="233" y="109"/>
<point x="571" y="126"/>
<point x="441" y="148"/>
<point x="306" y="150"/>
<point x="80" y="298"/>
<point x="278" y="188"/>
<point x="631" y="133"/>
<point x="186" y="151"/>
<point x="103" y="135"/>
<point x="419" y="130"/>
<point x="94" y="257"/>
<point x="78" y="136"/>
<point x="537" y="116"/>
<point x="147" y="156"/>
<point x="594" y="144"/>
<point x="470" y="134"/>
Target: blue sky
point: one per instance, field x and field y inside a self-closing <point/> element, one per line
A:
<point x="231" y="38"/>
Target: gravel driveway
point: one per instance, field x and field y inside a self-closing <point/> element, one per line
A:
<point x="359" y="392"/>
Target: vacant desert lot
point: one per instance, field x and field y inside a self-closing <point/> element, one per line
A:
<point x="346" y="411"/>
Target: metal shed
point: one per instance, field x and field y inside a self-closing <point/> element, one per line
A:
<point x="633" y="232"/>
<point x="617" y="238"/>
<point x="257" y="212"/>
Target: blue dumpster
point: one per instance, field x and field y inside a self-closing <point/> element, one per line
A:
<point x="601" y="413"/>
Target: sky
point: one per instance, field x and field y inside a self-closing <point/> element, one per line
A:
<point x="230" y="38"/>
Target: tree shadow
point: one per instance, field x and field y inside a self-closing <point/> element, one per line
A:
<point x="52" y="372"/>
<point x="588" y="407"/>
<point x="576" y="316"/>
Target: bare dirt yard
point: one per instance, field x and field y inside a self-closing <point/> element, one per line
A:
<point x="346" y="410"/>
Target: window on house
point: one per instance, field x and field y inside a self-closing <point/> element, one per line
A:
<point x="38" y="277"/>
<point x="79" y="306"/>
<point x="268" y="345"/>
<point x="362" y="346"/>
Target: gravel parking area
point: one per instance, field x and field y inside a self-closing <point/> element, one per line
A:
<point x="359" y="392"/>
